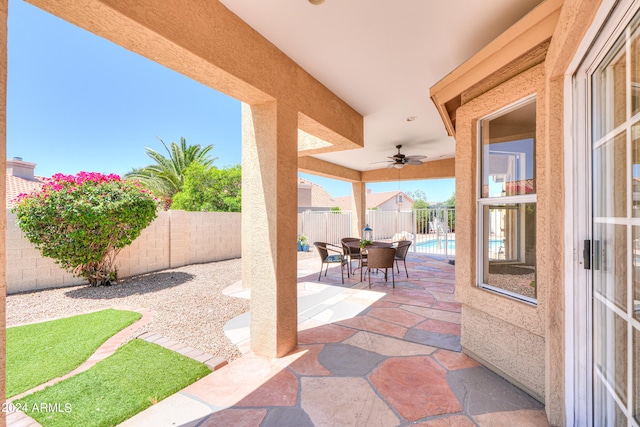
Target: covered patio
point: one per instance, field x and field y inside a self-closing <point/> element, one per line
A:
<point x="330" y="90"/>
<point x="365" y="357"/>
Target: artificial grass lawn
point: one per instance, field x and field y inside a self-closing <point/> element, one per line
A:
<point x="136" y="376"/>
<point x="40" y="352"/>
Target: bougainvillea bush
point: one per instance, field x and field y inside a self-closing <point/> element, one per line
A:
<point x="82" y="221"/>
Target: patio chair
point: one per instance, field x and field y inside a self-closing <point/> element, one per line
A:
<point x="335" y="257"/>
<point x="402" y="247"/>
<point x="350" y="251"/>
<point x="379" y="257"/>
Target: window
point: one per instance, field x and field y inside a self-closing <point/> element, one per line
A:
<point x="399" y="199"/>
<point x="507" y="201"/>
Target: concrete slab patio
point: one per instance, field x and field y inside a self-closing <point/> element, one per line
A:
<point x="366" y="357"/>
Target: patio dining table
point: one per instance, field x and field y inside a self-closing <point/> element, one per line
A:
<point x="355" y="245"/>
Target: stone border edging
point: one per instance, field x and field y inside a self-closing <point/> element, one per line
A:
<point x="212" y="362"/>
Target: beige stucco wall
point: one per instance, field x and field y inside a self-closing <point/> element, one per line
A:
<point x="174" y="239"/>
<point x="514" y="352"/>
<point x="358" y="208"/>
<point x="269" y="199"/>
<point x="494" y="326"/>
<point x="515" y="327"/>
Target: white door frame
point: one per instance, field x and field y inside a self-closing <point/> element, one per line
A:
<point x="577" y="148"/>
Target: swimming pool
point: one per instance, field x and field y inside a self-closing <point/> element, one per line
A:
<point x="494" y="245"/>
<point x="433" y="244"/>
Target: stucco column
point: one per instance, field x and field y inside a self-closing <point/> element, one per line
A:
<point x="3" y="212"/>
<point x="358" y="207"/>
<point x="551" y="213"/>
<point x="269" y="222"/>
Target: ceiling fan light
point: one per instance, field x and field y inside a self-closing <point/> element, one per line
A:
<point x="398" y="165"/>
<point x="316" y="2"/>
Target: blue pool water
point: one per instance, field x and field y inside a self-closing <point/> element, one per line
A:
<point x="433" y="244"/>
<point x="451" y="244"/>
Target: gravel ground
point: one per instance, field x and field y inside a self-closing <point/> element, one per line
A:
<point x="189" y="302"/>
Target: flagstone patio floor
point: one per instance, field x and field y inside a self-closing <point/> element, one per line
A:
<point x="366" y="357"/>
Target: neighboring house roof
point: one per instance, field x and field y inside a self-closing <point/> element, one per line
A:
<point x="512" y="188"/>
<point x="17" y="185"/>
<point x="319" y="197"/>
<point x="343" y="202"/>
<point x="517" y="187"/>
<point x="374" y="200"/>
<point x="20" y="179"/>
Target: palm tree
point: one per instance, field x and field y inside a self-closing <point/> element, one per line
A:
<point x="166" y="176"/>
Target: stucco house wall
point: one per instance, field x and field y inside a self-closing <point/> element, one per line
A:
<point x="506" y="334"/>
<point x="523" y="342"/>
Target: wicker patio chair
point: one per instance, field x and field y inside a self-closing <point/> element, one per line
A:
<point x="379" y="257"/>
<point x="351" y="252"/>
<point x="336" y="256"/>
<point x="401" y="254"/>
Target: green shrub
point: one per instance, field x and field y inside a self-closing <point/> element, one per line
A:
<point x="83" y="221"/>
<point x="209" y="189"/>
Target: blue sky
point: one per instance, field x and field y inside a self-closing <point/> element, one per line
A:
<point x="78" y="102"/>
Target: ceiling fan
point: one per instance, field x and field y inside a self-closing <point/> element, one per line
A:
<point x="399" y="160"/>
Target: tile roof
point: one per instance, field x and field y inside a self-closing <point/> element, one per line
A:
<point x="17" y="185"/>
<point x="319" y="196"/>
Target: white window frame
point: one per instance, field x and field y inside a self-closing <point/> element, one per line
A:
<point x="481" y="202"/>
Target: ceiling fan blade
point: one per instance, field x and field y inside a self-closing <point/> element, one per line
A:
<point x="399" y="160"/>
<point x="384" y="161"/>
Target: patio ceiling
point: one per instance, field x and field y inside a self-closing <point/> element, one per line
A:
<point x="382" y="57"/>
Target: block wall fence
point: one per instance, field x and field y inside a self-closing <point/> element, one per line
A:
<point x="174" y="239"/>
